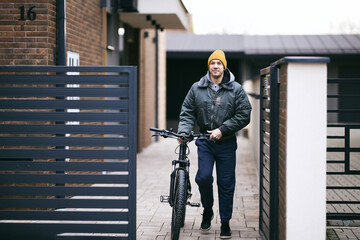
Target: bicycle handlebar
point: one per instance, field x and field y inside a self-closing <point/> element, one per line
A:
<point x="169" y="133"/>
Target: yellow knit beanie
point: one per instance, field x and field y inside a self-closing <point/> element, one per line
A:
<point x="220" y="55"/>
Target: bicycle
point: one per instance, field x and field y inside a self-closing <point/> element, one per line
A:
<point x="180" y="186"/>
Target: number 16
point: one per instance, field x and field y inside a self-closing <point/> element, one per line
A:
<point x="31" y="15"/>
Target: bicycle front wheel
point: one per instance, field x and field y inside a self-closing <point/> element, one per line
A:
<point x="178" y="210"/>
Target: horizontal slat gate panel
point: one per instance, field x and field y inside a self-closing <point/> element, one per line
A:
<point x="266" y="138"/>
<point x="265" y="230"/>
<point x="63" y="69"/>
<point x="266" y="219"/>
<point x="64" y="215"/>
<point x="266" y="161"/>
<point x="266" y="149"/>
<point x="41" y="113"/>
<point x="265" y="104"/>
<point x="65" y="227"/>
<point x="63" y="141"/>
<point x="62" y="129"/>
<point x="344" y="96"/>
<point x="63" y="178"/>
<point x="267" y="116"/>
<point x="64" y="92"/>
<point x="63" y="104"/>
<point x="266" y="127"/>
<point x="266" y="187"/>
<point x="343" y="80"/>
<point x="64" y="116"/>
<point x="341" y="149"/>
<point x="59" y="79"/>
<point x="266" y="173"/>
<point x="266" y="209"/>
<point x="266" y="200"/>
<point x="63" y="191"/>
<point x="62" y="203"/>
<point x="64" y="153"/>
<point x="269" y="143"/>
<point x="62" y="166"/>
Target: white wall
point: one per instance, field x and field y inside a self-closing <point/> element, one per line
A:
<point x="252" y="87"/>
<point x="306" y="151"/>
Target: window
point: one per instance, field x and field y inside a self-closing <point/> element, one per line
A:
<point x="73" y="59"/>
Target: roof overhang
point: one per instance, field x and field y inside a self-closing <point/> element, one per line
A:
<point x="170" y="14"/>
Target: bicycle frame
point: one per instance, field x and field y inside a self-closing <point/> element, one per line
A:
<point x="180" y="187"/>
<point x="183" y="163"/>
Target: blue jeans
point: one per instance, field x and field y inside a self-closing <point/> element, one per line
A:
<point x="224" y="154"/>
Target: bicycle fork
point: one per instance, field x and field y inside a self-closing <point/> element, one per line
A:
<point x="170" y="198"/>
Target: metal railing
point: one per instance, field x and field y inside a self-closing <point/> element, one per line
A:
<point x="343" y="150"/>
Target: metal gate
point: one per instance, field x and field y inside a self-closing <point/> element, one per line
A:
<point x="269" y="148"/>
<point x="343" y="150"/>
<point x="68" y="152"/>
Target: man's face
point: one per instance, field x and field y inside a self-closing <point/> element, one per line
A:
<point x="216" y="68"/>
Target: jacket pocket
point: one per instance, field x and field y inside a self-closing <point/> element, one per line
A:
<point x="225" y="112"/>
<point x="203" y="110"/>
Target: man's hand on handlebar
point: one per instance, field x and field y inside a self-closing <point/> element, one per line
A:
<point x="182" y="139"/>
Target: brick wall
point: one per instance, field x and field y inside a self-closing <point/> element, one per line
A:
<point x="146" y="86"/>
<point x="27" y="42"/>
<point x="282" y="151"/>
<point x="32" y="42"/>
<point x="84" y="34"/>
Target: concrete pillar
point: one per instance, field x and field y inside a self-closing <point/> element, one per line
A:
<point x="302" y="147"/>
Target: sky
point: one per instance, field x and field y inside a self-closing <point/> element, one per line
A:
<point x="274" y="17"/>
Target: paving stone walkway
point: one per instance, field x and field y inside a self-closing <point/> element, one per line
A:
<point x="154" y="218"/>
<point x="338" y="229"/>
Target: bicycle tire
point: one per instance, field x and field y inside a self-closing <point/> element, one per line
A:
<point x="178" y="210"/>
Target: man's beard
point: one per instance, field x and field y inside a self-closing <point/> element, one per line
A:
<point x="217" y="76"/>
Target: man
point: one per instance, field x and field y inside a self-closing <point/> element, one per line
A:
<point x="219" y="106"/>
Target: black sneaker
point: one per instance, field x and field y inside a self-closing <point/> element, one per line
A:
<point x="225" y="231"/>
<point x="206" y="220"/>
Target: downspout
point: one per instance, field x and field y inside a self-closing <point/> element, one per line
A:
<point x="156" y="40"/>
<point x="157" y="77"/>
<point x="61" y="32"/>
<point x="103" y="5"/>
<point x="60" y="60"/>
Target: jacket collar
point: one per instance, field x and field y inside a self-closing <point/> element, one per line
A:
<point x="227" y="81"/>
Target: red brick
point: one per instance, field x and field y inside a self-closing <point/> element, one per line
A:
<point x="24" y="50"/>
<point x="6" y="50"/>
<point x="11" y="34"/>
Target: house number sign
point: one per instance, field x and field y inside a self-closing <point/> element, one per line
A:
<point x="266" y="85"/>
<point x="30" y="14"/>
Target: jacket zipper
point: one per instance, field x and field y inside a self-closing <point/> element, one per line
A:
<point x="213" y="93"/>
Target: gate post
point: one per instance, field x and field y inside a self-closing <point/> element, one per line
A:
<point x="302" y="147"/>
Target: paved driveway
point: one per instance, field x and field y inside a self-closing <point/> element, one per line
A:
<point x="154" y="218"/>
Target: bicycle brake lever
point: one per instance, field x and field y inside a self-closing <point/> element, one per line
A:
<point x="164" y="135"/>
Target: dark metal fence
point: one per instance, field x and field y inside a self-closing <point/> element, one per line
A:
<point x="343" y="151"/>
<point x="269" y="148"/>
<point x="68" y="152"/>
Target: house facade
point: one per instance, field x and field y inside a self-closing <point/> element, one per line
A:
<point x="97" y="33"/>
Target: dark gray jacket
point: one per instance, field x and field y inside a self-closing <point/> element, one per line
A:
<point x="227" y="109"/>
